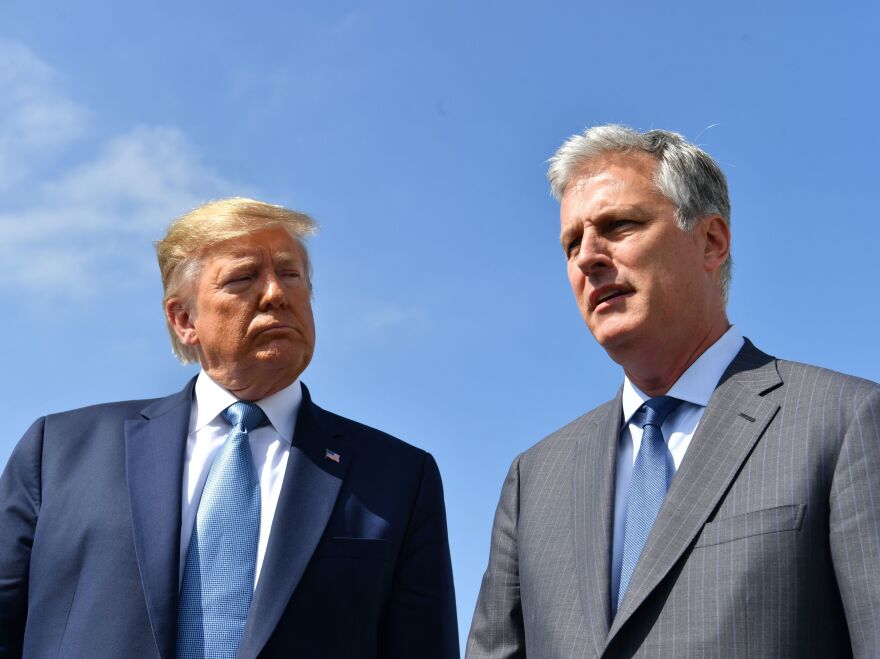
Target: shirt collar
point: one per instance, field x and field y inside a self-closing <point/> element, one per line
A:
<point x="281" y="408"/>
<point x="698" y="382"/>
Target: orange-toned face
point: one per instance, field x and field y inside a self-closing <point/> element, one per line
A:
<point x="250" y="318"/>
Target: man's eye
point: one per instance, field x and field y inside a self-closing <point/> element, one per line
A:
<point x="573" y="248"/>
<point x="238" y="279"/>
<point x="290" y="274"/>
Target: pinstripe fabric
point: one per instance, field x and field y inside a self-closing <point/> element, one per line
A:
<point x="767" y="545"/>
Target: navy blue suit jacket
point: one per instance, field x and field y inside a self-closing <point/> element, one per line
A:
<point x="90" y="513"/>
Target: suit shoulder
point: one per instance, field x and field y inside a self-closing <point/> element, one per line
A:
<point x="375" y="440"/>
<point x="850" y="387"/>
<point x="116" y="408"/>
<point x="101" y="415"/>
<point x="831" y="401"/>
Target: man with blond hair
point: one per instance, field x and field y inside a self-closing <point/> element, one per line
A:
<point x="235" y="518"/>
<point x="725" y="502"/>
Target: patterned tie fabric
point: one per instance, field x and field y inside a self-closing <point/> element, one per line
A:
<point x="651" y="476"/>
<point x="218" y="578"/>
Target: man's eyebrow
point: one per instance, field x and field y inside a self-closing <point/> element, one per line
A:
<point x="287" y="257"/>
<point x="629" y="210"/>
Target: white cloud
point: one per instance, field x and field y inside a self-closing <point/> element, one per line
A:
<point x="134" y="186"/>
<point x="68" y="227"/>
<point x="35" y="116"/>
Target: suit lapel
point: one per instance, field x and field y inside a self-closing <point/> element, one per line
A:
<point x="154" y="451"/>
<point x="594" y="474"/>
<point x="735" y="418"/>
<point x="308" y="496"/>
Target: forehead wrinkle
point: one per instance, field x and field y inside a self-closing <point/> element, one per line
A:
<point x="232" y="261"/>
<point x="588" y="177"/>
<point x="253" y="254"/>
<point x="581" y="210"/>
<point x="602" y="203"/>
<point x="227" y="261"/>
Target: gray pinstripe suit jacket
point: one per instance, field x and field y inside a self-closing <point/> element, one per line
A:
<point x="767" y="545"/>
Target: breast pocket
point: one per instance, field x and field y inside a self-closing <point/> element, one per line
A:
<point x="348" y="579"/>
<point x="756" y="522"/>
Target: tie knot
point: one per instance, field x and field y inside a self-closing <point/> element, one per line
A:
<point x="657" y="409"/>
<point x="247" y="415"/>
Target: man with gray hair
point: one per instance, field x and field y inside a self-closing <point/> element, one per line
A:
<point x="725" y="503"/>
<point x="235" y="518"/>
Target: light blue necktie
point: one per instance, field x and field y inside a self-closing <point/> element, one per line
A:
<point x="218" y="579"/>
<point x="651" y="476"/>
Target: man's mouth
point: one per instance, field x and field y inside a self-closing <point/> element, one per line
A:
<point x="273" y="326"/>
<point x="607" y="293"/>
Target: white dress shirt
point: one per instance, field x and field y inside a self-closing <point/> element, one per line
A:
<point x="270" y="447"/>
<point x="694" y="387"/>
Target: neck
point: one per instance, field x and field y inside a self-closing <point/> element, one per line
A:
<point x="656" y="373"/>
<point x="253" y="388"/>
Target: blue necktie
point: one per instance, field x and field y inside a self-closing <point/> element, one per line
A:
<point x="651" y="477"/>
<point x="218" y="578"/>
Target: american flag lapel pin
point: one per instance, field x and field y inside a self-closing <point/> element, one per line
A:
<point x="330" y="454"/>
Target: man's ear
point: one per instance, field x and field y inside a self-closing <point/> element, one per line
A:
<point x="179" y="318"/>
<point x="716" y="245"/>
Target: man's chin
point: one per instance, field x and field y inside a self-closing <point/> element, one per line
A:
<point x="279" y="357"/>
<point x="614" y="337"/>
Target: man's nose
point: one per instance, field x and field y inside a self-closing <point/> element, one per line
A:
<point x="592" y="253"/>
<point x="273" y="291"/>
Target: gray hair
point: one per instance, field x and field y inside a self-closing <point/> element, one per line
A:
<point x="186" y="240"/>
<point x="686" y="175"/>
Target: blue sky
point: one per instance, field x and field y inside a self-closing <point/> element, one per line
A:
<point x="416" y="134"/>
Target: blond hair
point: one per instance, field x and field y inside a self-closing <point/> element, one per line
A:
<point x="186" y="240"/>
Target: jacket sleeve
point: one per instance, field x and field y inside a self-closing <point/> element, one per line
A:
<point x="497" y="630"/>
<point x="420" y="620"/>
<point x="19" y="507"/>
<point x="855" y="525"/>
